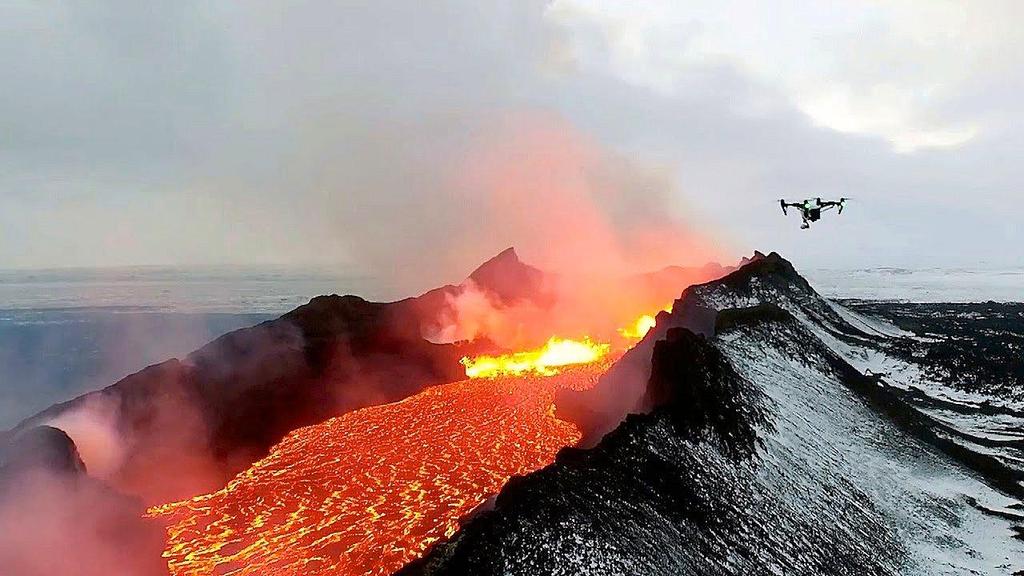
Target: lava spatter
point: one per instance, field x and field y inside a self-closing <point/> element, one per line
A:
<point x="369" y="491"/>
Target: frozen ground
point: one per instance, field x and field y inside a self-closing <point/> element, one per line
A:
<point x="920" y="285"/>
<point x="177" y="289"/>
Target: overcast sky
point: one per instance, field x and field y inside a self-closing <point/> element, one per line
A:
<point x="380" y="133"/>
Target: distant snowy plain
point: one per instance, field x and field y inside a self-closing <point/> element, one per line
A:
<point x="920" y="285"/>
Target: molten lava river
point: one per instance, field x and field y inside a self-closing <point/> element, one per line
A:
<point x="369" y="491"/>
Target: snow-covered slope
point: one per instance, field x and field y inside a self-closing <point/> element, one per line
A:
<point x="938" y="513"/>
<point x="981" y="430"/>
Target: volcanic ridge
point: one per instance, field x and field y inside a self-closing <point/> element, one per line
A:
<point x="755" y="427"/>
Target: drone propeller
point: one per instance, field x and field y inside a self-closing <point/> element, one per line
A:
<point x="840" y="204"/>
<point x="782" y="202"/>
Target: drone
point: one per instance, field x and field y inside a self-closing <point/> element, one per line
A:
<point x="812" y="208"/>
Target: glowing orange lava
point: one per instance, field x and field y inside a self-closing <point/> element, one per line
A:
<point x="546" y="360"/>
<point x="642" y="325"/>
<point x="369" y="491"/>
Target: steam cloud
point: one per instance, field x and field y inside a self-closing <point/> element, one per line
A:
<point x="55" y="525"/>
<point x="524" y="179"/>
<point x="94" y="430"/>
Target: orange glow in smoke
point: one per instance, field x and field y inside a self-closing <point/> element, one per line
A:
<point x="545" y="361"/>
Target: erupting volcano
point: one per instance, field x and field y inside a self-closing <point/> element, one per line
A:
<point x="369" y="491"/>
<point x="345" y="437"/>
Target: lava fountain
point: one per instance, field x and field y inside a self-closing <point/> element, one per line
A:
<point x="369" y="491"/>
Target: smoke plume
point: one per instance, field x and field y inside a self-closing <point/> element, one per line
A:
<point x="528" y="179"/>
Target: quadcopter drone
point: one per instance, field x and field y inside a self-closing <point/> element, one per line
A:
<point x="812" y="208"/>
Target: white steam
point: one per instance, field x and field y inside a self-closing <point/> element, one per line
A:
<point x="92" y="426"/>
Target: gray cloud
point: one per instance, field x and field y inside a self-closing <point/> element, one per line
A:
<point x="355" y="132"/>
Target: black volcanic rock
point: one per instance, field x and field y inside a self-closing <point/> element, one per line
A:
<point x="41" y="448"/>
<point x="767" y="279"/>
<point x="509" y="278"/>
<point x="329" y="316"/>
<point x="973" y="347"/>
<point x="773" y="269"/>
<point x="622" y="389"/>
<point x="758" y="255"/>
<point x="699" y="391"/>
<point x="732" y="317"/>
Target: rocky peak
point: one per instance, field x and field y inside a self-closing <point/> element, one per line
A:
<point x="41" y="448"/>
<point x="506" y="276"/>
<point x="758" y="255"/>
<point x="772" y="269"/>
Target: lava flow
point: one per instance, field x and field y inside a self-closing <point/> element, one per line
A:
<point x="369" y="491"/>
